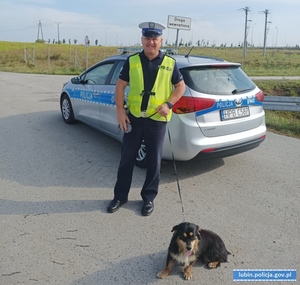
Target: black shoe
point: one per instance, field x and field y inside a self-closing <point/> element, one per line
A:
<point x="114" y="205"/>
<point x="148" y="208"/>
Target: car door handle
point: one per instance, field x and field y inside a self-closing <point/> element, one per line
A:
<point x="96" y="93"/>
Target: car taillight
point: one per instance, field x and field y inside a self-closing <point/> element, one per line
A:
<point x="260" y="96"/>
<point x="190" y="105"/>
<point x="208" y="150"/>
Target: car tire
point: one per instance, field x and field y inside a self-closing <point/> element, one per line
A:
<point x="141" y="158"/>
<point x="66" y="109"/>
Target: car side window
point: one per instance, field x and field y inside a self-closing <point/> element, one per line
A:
<point x="98" y="75"/>
<point x="116" y="73"/>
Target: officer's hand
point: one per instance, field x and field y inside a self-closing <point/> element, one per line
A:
<point x="122" y="120"/>
<point x="163" y="110"/>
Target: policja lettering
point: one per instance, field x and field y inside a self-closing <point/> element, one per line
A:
<point x="225" y="104"/>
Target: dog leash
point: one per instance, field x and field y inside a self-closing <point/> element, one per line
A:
<point x="177" y="179"/>
<point x="175" y="169"/>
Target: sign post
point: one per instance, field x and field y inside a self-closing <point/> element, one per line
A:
<point x="86" y="40"/>
<point x="179" y="23"/>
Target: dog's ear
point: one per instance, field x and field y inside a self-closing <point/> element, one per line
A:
<point x="198" y="232"/>
<point x="174" y="229"/>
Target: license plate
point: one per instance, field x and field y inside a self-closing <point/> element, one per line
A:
<point x="235" y="113"/>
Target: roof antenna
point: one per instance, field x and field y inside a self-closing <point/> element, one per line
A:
<point x="187" y="55"/>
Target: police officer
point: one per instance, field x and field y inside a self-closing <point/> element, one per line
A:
<point x="151" y="75"/>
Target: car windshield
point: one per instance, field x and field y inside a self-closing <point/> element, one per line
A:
<point x="218" y="80"/>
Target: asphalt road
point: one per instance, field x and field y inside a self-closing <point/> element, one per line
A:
<point x="56" y="181"/>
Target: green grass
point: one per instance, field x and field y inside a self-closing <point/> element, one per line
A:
<point x="69" y="59"/>
<point x="287" y="123"/>
<point x="279" y="87"/>
<point x="50" y="58"/>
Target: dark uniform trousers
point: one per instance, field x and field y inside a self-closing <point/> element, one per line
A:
<point x="153" y="132"/>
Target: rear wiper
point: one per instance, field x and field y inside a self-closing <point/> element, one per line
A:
<point x="235" y="91"/>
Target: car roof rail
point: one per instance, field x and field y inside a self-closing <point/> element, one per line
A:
<point x="169" y="50"/>
<point x="208" y="57"/>
<point x="124" y="50"/>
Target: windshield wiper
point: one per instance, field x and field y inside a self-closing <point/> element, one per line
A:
<point x="235" y="91"/>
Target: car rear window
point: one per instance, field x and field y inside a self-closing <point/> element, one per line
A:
<point x="218" y="80"/>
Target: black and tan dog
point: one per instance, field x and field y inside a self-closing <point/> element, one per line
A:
<point x="190" y="243"/>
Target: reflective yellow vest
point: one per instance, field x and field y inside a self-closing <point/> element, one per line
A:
<point x="162" y="87"/>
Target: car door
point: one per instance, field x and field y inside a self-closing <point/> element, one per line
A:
<point x="90" y="93"/>
<point x="108" y="115"/>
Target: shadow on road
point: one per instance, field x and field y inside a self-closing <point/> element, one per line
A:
<point x="40" y="150"/>
<point x="137" y="270"/>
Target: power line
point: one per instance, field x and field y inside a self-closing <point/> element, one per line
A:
<point x="212" y="15"/>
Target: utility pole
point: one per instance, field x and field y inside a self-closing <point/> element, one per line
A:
<point x="40" y="28"/>
<point x="276" y="37"/>
<point x="58" y="41"/>
<point x="252" y="44"/>
<point x="266" y="12"/>
<point x="247" y="10"/>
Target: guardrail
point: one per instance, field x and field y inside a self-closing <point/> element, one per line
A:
<point x="282" y="103"/>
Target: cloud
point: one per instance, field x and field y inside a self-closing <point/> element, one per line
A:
<point x="116" y="22"/>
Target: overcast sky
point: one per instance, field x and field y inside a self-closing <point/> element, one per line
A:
<point x="115" y="22"/>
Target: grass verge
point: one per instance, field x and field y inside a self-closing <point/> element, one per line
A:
<point x="285" y="123"/>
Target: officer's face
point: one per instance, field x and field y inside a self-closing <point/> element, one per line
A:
<point x="151" y="46"/>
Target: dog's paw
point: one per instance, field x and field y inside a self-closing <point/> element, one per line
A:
<point x="187" y="275"/>
<point x="214" y="264"/>
<point x="162" y="274"/>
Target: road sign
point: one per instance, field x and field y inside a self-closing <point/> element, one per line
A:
<point x="179" y="23"/>
<point x="86" y="40"/>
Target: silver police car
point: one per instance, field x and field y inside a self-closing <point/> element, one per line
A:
<point x="221" y="112"/>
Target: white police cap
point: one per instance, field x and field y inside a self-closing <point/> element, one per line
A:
<point x="151" y="29"/>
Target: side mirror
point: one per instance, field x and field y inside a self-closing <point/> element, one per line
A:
<point x="76" y="80"/>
